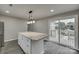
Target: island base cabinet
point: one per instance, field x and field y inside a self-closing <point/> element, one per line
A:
<point x="30" y="46"/>
<point x="37" y="46"/>
<point x="24" y="43"/>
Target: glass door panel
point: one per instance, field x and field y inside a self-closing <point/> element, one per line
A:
<point x="54" y="29"/>
<point x="67" y="32"/>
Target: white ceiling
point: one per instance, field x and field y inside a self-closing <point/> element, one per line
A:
<point x="39" y="10"/>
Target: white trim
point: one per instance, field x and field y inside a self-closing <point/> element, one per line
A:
<point x="9" y="40"/>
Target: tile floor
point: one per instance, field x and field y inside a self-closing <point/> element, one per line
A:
<point x="50" y="48"/>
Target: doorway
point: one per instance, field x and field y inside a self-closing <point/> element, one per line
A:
<point x="63" y="31"/>
<point x="1" y="34"/>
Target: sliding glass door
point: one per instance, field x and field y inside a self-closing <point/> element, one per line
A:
<point x="63" y="31"/>
<point x="67" y="32"/>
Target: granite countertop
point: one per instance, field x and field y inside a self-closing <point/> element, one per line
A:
<point x="34" y="35"/>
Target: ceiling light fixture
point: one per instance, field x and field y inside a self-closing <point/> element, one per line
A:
<point x="31" y="20"/>
<point x="51" y="10"/>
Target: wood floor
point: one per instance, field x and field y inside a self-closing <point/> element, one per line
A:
<point x="50" y="48"/>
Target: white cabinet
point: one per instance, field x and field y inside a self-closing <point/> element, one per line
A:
<point x="20" y="40"/>
<point x="30" y="43"/>
<point x="24" y="43"/>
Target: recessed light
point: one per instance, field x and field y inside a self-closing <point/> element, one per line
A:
<point x="51" y="10"/>
<point x="7" y="11"/>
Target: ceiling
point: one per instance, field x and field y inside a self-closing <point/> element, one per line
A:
<point x="39" y="10"/>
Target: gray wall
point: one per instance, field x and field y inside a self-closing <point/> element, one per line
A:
<point x="42" y="24"/>
<point x="12" y="26"/>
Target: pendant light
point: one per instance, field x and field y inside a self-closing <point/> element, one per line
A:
<point x="31" y="20"/>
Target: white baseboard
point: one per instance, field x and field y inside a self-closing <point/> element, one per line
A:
<point x="9" y="40"/>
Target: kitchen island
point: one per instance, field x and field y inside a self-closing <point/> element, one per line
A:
<point x="32" y="42"/>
